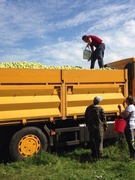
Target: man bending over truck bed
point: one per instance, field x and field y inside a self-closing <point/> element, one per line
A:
<point x="98" y="52"/>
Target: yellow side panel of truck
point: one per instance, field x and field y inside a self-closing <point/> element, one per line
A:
<point x="20" y="107"/>
<point x="13" y="75"/>
<point x="80" y="101"/>
<point x="93" y="76"/>
<point x="33" y="95"/>
<point x="109" y="84"/>
<point x="25" y="94"/>
<point x="29" y="94"/>
<point x="21" y="102"/>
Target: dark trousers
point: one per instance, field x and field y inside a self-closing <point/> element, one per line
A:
<point x="128" y="136"/>
<point x="98" y="54"/>
<point x="96" y="142"/>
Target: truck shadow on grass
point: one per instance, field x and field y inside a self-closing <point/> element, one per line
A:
<point x="5" y="157"/>
<point x="79" y="153"/>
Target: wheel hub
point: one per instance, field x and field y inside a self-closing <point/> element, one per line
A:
<point x="29" y="145"/>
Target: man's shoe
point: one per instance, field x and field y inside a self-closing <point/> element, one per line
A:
<point x="132" y="155"/>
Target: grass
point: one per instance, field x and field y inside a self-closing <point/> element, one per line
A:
<point x="76" y="164"/>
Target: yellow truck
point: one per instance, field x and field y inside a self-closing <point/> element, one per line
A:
<point x="44" y="108"/>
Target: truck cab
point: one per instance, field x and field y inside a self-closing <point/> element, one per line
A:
<point x="128" y="64"/>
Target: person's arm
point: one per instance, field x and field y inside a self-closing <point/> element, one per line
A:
<point x="86" y="116"/>
<point x="91" y="47"/>
<point x="119" y="107"/>
<point x="89" y="41"/>
<point x="103" y="119"/>
<point x="123" y="114"/>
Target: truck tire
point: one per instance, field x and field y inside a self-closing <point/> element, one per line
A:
<point x="27" y="142"/>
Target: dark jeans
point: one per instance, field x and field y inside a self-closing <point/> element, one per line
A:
<point x="128" y="136"/>
<point x="98" y="54"/>
<point x="96" y="142"/>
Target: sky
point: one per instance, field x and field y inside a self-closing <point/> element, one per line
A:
<point x="50" y="31"/>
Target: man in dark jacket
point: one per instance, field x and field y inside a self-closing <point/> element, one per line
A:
<point x="96" y="121"/>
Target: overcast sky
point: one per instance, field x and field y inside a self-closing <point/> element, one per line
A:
<point x="50" y="31"/>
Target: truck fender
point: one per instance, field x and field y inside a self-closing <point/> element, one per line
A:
<point x="50" y="138"/>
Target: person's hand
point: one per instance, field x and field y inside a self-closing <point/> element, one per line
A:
<point x="119" y="107"/>
<point x="105" y="129"/>
<point x="89" y="59"/>
<point x="87" y="46"/>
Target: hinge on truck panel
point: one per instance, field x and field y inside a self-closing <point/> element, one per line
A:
<point x="51" y="119"/>
<point x="69" y="89"/>
<point x="56" y="90"/>
<point x="24" y="121"/>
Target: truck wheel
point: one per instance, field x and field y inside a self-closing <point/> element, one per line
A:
<point x="27" y="142"/>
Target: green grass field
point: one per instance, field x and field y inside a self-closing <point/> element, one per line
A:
<point x="74" y="164"/>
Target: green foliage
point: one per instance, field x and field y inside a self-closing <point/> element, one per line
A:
<point x="75" y="164"/>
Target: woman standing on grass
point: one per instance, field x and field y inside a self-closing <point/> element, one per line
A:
<point x="129" y="115"/>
